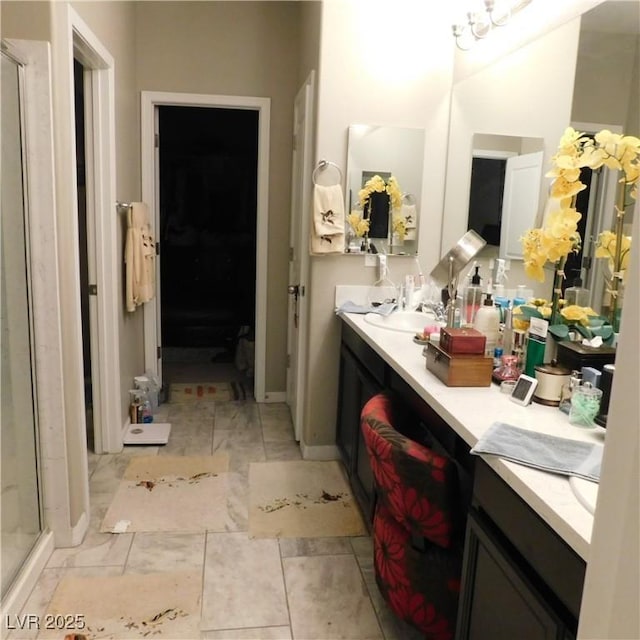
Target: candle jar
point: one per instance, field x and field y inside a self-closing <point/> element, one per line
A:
<point x="585" y="405"/>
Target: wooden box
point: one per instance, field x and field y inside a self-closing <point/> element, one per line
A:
<point x="459" y="370"/>
<point x="458" y="341"/>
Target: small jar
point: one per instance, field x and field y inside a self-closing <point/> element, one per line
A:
<point x="585" y="405"/>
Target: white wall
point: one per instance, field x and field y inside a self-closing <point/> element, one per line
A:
<point x="612" y="585"/>
<point x="380" y="64"/>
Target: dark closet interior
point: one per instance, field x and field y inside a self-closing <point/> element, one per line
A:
<point x="208" y="197"/>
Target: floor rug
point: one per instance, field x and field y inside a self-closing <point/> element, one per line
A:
<point x="301" y="499"/>
<point x="200" y="391"/>
<point x="127" y="606"/>
<point x="171" y="493"/>
<point x="207" y="391"/>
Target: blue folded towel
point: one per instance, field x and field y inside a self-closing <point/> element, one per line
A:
<point x="541" y="451"/>
<point x="383" y="309"/>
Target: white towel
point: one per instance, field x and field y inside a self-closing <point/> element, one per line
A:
<point x="328" y="210"/>
<point x="139" y="257"/>
<point x="410" y="214"/>
<point x="327" y="244"/>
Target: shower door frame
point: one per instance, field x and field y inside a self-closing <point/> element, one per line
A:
<point x="46" y="350"/>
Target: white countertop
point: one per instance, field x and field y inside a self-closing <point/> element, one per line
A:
<point x="470" y="411"/>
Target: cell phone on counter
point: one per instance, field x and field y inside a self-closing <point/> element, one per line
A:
<point x="523" y="391"/>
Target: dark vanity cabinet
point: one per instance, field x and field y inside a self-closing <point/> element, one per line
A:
<point x="362" y="375"/>
<point x="520" y="580"/>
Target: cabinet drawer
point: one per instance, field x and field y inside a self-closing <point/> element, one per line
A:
<point x="369" y="359"/>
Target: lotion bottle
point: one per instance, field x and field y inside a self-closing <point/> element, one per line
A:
<point x="487" y="321"/>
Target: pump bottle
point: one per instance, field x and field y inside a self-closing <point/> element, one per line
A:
<point x="472" y="299"/>
<point x="487" y="321"/>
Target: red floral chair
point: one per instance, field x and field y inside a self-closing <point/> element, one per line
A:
<point x="417" y="545"/>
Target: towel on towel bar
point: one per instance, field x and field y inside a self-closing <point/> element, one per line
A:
<point x="542" y="451"/>
<point x="139" y="257"/>
<point x="409" y="213"/>
<point x="327" y="230"/>
<point x="328" y="210"/>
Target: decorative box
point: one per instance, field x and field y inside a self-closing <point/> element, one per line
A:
<point x="575" y="355"/>
<point x="463" y="341"/>
<point x="459" y="370"/>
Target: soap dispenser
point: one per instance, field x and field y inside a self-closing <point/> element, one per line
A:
<point x="577" y="294"/>
<point x="472" y="299"/>
<point x="487" y="321"/>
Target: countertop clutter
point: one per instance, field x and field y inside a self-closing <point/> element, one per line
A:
<point x="470" y="411"/>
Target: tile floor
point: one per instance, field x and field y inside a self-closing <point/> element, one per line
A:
<point x="261" y="589"/>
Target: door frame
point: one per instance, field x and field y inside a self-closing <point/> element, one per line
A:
<point x="149" y="101"/>
<point x="301" y="192"/>
<point x="103" y="255"/>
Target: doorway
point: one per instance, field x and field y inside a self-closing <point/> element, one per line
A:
<point x="151" y="102"/>
<point x="208" y="173"/>
<point x="83" y="253"/>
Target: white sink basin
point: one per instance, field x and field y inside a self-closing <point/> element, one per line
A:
<point x="586" y="492"/>
<point x="403" y="321"/>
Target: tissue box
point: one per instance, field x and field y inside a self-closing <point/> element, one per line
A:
<point x="459" y="370"/>
<point x="463" y="341"/>
<point x="575" y="355"/>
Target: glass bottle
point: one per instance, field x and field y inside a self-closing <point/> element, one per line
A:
<point x="472" y="299"/>
<point x="508" y="369"/>
<point x="567" y="391"/>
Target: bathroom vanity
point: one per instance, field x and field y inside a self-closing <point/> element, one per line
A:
<point x="527" y="535"/>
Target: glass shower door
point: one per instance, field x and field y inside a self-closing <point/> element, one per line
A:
<point x="20" y="521"/>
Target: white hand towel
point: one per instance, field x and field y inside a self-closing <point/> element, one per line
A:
<point x="327" y="244"/>
<point x="328" y="210"/>
<point x="140" y="254"/>
<point x="410" y="214"/>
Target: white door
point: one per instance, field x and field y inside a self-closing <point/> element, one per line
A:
<point x="520" y="201"/>
<point x="298" y="252"/>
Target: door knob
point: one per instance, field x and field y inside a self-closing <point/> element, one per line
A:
<point x="293" y="289"/>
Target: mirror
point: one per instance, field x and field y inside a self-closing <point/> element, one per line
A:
<point x="535" y="92"/>
<point x="387" y="152"/>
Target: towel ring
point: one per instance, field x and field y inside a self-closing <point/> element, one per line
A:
<point x="322" y="165"/>
<point x="123" y="206"/>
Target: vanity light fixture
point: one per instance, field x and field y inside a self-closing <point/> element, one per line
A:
<point x="479" y="24"/>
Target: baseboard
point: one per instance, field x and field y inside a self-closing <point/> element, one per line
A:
<point x="14" y="601"/>
<point x="275" y="396"/>
<point x="320" y="452"/>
